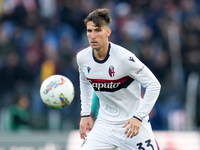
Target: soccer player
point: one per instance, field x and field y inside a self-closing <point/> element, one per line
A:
<point x="116" y="75"/>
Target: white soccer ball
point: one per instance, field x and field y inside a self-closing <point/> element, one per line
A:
<point x="57" y="91"/>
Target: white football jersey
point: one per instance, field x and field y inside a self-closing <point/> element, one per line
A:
<point x="117" y="81"/>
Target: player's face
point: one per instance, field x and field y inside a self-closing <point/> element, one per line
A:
<point x="97" y="36"/>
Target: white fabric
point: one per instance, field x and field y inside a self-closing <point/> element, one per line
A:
<point x="118" y="101"/>
<point x="111" y="137"/>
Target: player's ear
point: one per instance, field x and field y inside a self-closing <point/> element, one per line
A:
<point x="108" y="32"/>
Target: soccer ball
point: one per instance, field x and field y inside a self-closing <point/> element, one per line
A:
<point x="57" y="91"/>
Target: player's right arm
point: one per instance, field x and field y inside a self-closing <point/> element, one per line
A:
<point x="86" y="90"/>
<point x="86" y="93"/>
<point x="86" y="123"/>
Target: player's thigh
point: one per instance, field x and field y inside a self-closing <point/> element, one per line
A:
<point x="99" y="138"/>
<point x="143" y="141"/>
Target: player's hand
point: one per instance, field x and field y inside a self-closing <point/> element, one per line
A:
<point x="133" y="127"/>
<point x="85" y="123"/>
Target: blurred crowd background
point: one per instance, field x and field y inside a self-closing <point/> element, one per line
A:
<point x="39" y="38"/>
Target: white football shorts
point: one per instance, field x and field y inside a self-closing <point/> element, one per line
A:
<point x="112" y="137"/>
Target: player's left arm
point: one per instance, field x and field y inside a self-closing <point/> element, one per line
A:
<point x="133" y="127"/>
<point x="142" y="74"/>
<point x="139" y="72"/>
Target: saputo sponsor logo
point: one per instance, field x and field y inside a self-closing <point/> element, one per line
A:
<point x="100" y="86"/>
<point x="110" y="85"/>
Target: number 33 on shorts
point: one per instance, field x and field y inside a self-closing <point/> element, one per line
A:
<point x="147" y="143"/>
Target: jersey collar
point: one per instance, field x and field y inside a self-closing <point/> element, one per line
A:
<point x="105" y="59"/>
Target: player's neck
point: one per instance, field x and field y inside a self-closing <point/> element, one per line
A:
<point x="100" y="54"/>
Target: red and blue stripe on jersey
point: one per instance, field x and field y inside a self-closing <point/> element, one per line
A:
<point x="110" y="85"/>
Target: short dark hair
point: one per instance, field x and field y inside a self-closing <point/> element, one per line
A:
<point x="99" y="17"/>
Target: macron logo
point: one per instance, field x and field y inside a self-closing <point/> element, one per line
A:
<point x="131" y="59"/>
<point x="88" y="69"/>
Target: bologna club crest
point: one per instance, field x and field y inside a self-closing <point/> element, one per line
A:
<point x="111" y="71"/>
